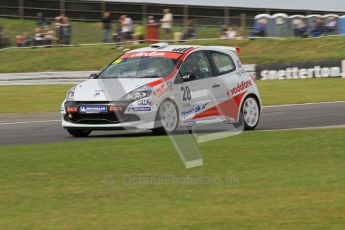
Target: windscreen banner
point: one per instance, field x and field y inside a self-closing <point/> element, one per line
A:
<point x="301" y="70"/>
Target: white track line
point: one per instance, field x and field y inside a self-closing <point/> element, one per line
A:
<point x="310" y="103"/>
<point x="303" y="128"/>
<point x="28" y="122"/>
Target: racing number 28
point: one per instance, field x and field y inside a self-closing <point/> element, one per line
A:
<point x="186" y="96"/>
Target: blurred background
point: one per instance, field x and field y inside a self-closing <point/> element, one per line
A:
<point x="71" y="22"/>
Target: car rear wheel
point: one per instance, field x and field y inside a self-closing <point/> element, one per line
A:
<point x="167" y="117"/>
<point x="250" y="113"/>
<point x="79" y="132"/>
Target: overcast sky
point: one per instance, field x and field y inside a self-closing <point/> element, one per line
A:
<point x="326" y="5"/>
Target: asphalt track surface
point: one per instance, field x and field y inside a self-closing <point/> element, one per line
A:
<point x="30" y="128"/>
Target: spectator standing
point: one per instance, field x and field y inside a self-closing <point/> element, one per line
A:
<point x="66" y="31"/>
<point x="62" y="30"/>
<point x="151" y="20"/>
<point x="331" y="25"/>
<point x="300" y="28"/>
<point x="167" y="23"/>
<point x="41" y="20"/>
<point x="127" y="30"/>
<point x="317" y="28"/>
<point x="152" y="30"/>
<point x="106" y="25"/>
<point x="58" y="29"/>
<point x="138" y="34"/>
<point x="259" y="28"/>
<point x="117" y="35"/>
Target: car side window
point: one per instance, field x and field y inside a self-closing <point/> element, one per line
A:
<point x="197" y="64"/>
<point x="223" y="62"/>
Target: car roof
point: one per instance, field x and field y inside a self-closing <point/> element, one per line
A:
<point x="165" y="47"/>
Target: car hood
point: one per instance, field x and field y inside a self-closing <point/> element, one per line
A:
<point x="108" y="89"/>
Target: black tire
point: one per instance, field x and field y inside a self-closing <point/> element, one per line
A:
<point x="79" y="132"/>
<point x="242" y="115"/>
<point x="160" y="129"/>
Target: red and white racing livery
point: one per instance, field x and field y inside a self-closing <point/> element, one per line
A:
<point x="163" y="87"/>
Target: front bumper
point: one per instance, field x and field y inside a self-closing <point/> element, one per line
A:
<point x="123" y="119"/>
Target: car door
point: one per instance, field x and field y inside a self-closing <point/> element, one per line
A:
<point x="226" y="71"/>
<point x="197" y="93"/>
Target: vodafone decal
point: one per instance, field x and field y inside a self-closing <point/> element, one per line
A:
<point x="301" y="70"/>
<point x="243" y="85"/>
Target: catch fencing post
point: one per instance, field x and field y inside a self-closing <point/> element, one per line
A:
<point x="226" y="16"/>
<point x="21" y="9"/>
<point x="185" y="16"/>
<point x="103" y="8"/>
<point x="244" y="25"/>
<point x="62" y="7"/>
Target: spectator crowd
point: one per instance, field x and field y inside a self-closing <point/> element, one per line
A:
<point x="124" y="31"/>
<point x="127" y="31"/>
<point x="314" y="28"/>
<point x="45" y="33"/>
<point x="296" y="25"/>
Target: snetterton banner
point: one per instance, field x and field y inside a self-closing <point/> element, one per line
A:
<point x="301" y="70"/>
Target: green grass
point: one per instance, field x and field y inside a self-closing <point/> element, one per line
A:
<point x="296" y="180"/>
<point x="40" y="98"/>
<point x="95" y="57"/>
<point x="301" y="91"/>
<point x="47" y="98"/>
<point x="60" y="59"/>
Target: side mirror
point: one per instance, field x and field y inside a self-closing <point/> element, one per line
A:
<point x="188" y="77"/>
<point x="93" y="76"/>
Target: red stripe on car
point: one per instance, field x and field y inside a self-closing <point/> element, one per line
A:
<point x="165" y="54"/>
<point x="228" y="108"/>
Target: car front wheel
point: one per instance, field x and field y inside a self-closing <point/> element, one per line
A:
<point x="79" y="132"/>
<point x="167" y="117"/>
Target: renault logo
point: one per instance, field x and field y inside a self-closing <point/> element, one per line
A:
<point x="97" y="93"/>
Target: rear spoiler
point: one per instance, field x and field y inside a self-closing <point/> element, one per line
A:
<point x="237" y="50"/>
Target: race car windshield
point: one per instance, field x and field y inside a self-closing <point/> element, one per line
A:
<point x="141" y="65"/>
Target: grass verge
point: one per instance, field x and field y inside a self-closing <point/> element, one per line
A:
<point x="293" y="181"/>
<point x="48" y="98"/>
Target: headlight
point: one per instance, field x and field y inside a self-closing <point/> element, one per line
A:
<point x="70" y="94"/>
<point x="139" y="93"/>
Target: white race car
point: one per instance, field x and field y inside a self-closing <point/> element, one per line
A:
<point x="164" y="87"/>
